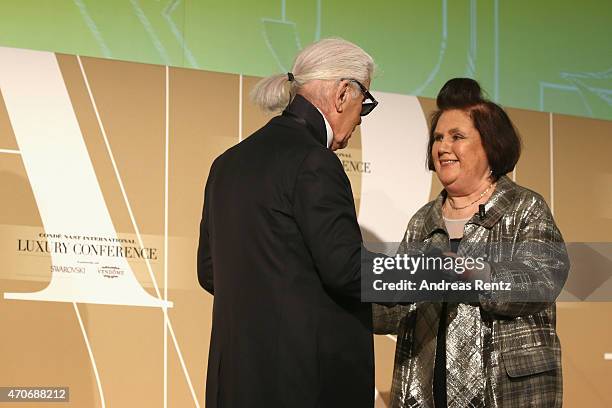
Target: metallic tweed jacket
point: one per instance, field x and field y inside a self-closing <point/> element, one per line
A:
<point x="499" y="352"/>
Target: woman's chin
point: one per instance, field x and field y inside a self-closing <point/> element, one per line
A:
<point x="446" y="179"/>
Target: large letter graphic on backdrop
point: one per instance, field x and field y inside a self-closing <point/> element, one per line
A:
<point x="65" y="186"/>
<point x="393" y="140"/>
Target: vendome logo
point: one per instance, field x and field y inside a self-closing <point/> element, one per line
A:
<point x="110" y="272"/>
<point x="354" y="166"/>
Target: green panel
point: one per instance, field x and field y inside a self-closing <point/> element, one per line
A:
<point x="558" y="56"/>
<point x="540" y="55"/>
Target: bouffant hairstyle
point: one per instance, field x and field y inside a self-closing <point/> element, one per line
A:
<point x="499" y="137"/>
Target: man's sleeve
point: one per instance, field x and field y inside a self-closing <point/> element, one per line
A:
<point x="325" y="213"/>
<point x="205" y="270"/>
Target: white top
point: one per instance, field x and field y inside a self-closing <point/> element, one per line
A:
<point x="455" y="227"/>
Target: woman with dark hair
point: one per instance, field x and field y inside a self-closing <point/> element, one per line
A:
<point x="497" y="349"/>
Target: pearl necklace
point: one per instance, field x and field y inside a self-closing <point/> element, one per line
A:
<point x="473" y="202"/>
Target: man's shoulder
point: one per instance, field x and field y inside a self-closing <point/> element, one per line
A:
<point x="279" y="133"/>
<point x="281" y="142"/>
<point x="282" y="125"/>
<point x="320" y="156"/>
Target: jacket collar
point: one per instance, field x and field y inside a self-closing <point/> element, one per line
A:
<point x="495" y="207"/>
<point x="305" y="113"/>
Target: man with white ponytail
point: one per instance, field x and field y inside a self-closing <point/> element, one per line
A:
<point x="280" y="247"/>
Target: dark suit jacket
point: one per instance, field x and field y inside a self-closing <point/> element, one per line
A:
<point x="280" y="251"/>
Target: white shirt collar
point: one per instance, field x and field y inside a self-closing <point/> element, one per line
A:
<point x="330" y="133"/>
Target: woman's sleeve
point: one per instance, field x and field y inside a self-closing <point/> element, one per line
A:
<point x="386" y="319"/>
<point x="537" y="269"/>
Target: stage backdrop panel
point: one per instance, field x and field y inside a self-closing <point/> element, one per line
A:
<point x="103" y="165"/>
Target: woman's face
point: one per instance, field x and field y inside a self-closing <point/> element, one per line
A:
<point x="457" y="153"/>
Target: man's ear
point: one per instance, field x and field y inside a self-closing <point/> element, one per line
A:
<point x="341" y="95"/>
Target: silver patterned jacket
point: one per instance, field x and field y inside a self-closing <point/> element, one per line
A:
<point x="499" y="352"/>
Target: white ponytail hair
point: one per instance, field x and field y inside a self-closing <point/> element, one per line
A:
<point x="272" y="93"/>
<point x="330" y="59"/>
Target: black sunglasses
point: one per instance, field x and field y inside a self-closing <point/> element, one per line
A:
<point x="366" y="107"/>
